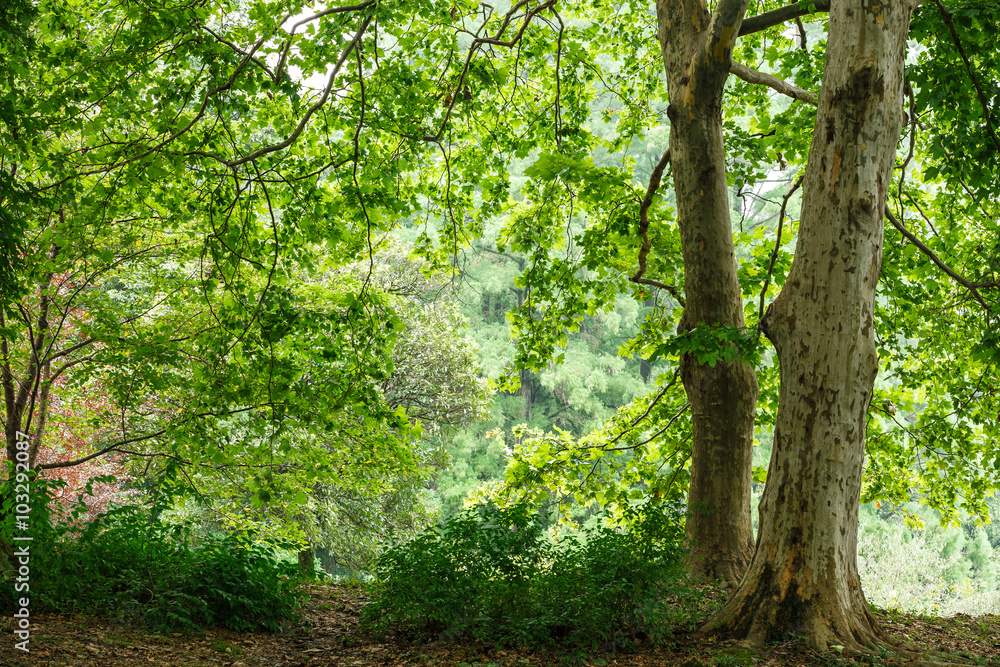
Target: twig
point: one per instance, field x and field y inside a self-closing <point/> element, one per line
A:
<point x="912" y="238"/>
<point x="777" y="245"/>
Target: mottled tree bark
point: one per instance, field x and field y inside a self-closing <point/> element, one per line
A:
<point x="804" y="578"/>
<point x="697" y="55"/>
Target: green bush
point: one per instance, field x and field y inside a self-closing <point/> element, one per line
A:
<point x="129" y="565"/>
<point x="493" y="574"/>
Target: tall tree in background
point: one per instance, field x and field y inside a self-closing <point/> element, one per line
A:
<point x="697" y="56"/>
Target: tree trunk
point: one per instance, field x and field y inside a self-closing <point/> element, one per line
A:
<point x="697" y="50"/>
<point x="528" y="393"/>
<point x="803" y="579"/>
<point x="307" y="562"/>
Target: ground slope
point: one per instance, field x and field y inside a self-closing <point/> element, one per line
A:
<point x="329" y="636"/>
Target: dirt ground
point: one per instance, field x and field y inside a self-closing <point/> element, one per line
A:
<point x="328" y="635"/>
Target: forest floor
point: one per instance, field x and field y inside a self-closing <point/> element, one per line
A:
<point x="328" y="635"/>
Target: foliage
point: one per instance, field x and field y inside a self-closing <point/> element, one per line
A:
<point x="576" y="396"/>
<point x="493" y="574"/>
<point x="571" y="222"/>
<point x="639" y="452"/>
<point x="939" y="570"/>
<point x="936" y="413"/>
<point x="192" y="234"/>
<point x="431" y="383"/>
<point x="124" y="151"/>
<point x="130" y="565"/>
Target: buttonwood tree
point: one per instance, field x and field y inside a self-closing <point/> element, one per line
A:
<point x="951" y="440"/>
<point x="697" y="56"/>
<point x="803" y="578"/>
<point x="804" y="573"/>
<point x="697" y="49"/>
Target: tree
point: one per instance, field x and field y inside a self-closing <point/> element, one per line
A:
<point x="803" y="577"/>
<point x="125" y="138"/>
<point x="697" y="57"/>
<point x="842" y="157"/>
<point x="435" y="380"/>
<point x="147" y="134"/>
<point x="336" y="487"/>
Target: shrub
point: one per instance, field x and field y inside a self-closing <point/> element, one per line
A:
<point x="493" y="574"/>
<point x="128" y="564"/>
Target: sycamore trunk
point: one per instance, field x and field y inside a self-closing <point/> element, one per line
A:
<point x="803" y="579"/>
<point x="697" y="51"/>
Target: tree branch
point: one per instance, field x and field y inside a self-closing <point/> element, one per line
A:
<point x="722" y="30"/>
<point x="912" y="238"/>
<point x="197" y="117"/>
<point x="232" y="164"/>
<point x="777" y="246"/>
<point x="140" y="438"/>
<point x="779" y="16"/>
<point x="332" y="10"/>
<point x="779" y="85"/>
<point x="647" y="201"/>
<point x="102" y="452"/>
<point x="495" y="41"/>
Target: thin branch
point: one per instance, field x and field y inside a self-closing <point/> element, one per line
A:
<point x="803" y="40"/>
<point x="923" y="214"/>
<point x="305" y="117"/>
<point x="139" y="438"/>
<point x="669" y="423"/>
<point x="197" y="117"/>
<point x="647" y="201"/>
<point x="495" y="41"/>
<point x="912" y="238"/>
<point x="913" y="137"/>
<point x="279" y="69"/>
<point x="558" y="100"/>
<point x="332" y="10"/>
<point x="222" y="40"/>
<point x="777" y="245"/>
<point x="69" y="364"/>
<point x="102" y="452"/>
<point x="649" y="408"/>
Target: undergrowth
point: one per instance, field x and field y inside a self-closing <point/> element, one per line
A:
<point x="129" y="565"/>
<point x="494" y="575"/>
